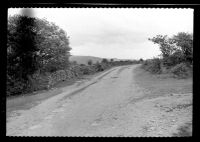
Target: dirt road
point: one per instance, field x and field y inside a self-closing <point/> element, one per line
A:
<point x="114" y="103"/>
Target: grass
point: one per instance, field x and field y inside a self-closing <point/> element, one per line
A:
<point x="156" y="84"/>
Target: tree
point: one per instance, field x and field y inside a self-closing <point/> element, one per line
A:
<point x="50" y="50"/>
<point x="185" y="41"/>
<point x="89" y="62"/>
<point x="104" y="60"/>
<point x="34" y="44"/>
<point x="179" y="46"/>
<point x="165" y="44"/>
<point x="141" y="60"/>
<point x="54" y="46"/>
<point x="111" y="60"/>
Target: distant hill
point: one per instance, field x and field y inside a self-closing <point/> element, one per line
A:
<point x="84" y="59"/>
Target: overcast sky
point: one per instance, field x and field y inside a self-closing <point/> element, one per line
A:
<point x="114" y="32"/>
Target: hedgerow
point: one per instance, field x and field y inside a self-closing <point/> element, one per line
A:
<point x="176" y="57"/>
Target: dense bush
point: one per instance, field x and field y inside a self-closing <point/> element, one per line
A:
<point x="87" y="70"/>
<point x="45" y="80"/>
<point x="181" y="70"/>
<point x="177" y="55"/>
<point x="90" y="62"/>
<point x="98" y="67"/>
<point x="15" y="86"/>
<point x="40" y="81"/>
<point x="34" y="45"/>
<point x="153" y="65"/>
<point x="182" y="43"/>
<point x="174" y="59"/>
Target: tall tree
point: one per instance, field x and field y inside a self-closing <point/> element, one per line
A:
<point x="185" y="41"/>
<point x="54" y="46"/>
<point x="164" y="43"/>
<point x="22" y="46"/>
<point x="179" y="45"/>
<point x="34" y="44"/>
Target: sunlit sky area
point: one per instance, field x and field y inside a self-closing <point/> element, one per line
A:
<point x="116" y="32"/>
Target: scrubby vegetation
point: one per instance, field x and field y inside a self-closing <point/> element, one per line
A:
<point x="176" y="57"/>
<point x="38" y="56"/>
<point x="152" y="65"/>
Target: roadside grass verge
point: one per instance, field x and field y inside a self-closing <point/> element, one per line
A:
<point x="157" y="66"/>
<point x="162" y="83"/>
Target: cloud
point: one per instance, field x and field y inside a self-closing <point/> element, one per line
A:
<point x="120" y="33"/>
<point x="110" y="36"/>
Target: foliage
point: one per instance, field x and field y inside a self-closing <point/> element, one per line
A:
<point x="185" y="41"/>
<point x="182" y="43"/>
<point x="33" y="45"/>
<point x="165" y="44"/>
<point x="54" y="46"/>
<point x="177" y="54"/>
<point x="14" y="86"/>
<point x="38" y="56"/>
<point x="21" y="47"/>
<point x="153" y="65"/>
<point x="175" y="58"/>
<point x="104" y="60"/>
<point x="90" y="62"/>
<point x="181" y="70"/>
<point x="141" y="60"/>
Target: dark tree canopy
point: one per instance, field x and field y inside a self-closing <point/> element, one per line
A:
<point x="179" y="46"/>
<point x="33" y="44"/>
<point x="36" y="44"/>
<point x="104" y="60"/>
<point x="90" y="62"/>
<point x="22" y="46"/>
<point x="54" y="46"/>
<point x="185" y="41"/>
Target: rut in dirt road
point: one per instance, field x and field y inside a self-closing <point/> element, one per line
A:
<point x="106" y="106"/>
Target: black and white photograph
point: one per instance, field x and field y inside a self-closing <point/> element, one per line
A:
<point x="99" y="72"/>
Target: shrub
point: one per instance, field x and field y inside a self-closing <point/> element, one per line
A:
<point x="153" y="65"/>
<point x="15" y="86"/>
<point x="41" y="81"/>
<point x="90" y="62"/>
<point x="44" y="80"/>
<point x="174" y="59"/>
<point x="87" y="69"/>
<point x="99" y="67"/>
<point x="141" y="60"/>
<point x="181" y="70"/>
<point x="104" y="60"/>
